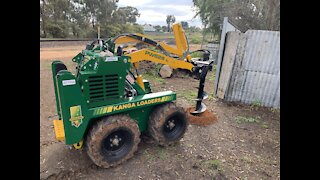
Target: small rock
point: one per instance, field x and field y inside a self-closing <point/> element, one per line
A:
<point x="165" y="71"/>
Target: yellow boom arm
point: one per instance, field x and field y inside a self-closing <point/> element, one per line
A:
<point x="180" y="39"/>
<point x="149" y="55"/>
<point x="181" y="50"/>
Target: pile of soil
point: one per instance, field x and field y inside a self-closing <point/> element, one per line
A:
<point x="203" y="119"/>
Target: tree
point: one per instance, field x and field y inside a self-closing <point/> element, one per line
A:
<point x="158" y="28"/>
<point x="245" y="14"/>
<point x="194" y="29"/>
<point x="43" y="18"/>
<point x="78" y="18"/>
<point x="184" y="24"/>
<point x="170" y="20"/>
<point x="164" y="28"/>
<point x="130" y="13"/>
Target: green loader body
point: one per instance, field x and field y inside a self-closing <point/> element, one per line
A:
<point x="99" y="90"/>
<point x="105" y="107"/>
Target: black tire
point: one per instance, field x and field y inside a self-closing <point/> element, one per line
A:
<point x="112" y="140"/>
<point x="159" y="124"/>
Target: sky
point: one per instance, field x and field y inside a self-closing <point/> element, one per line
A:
<point x="155" y="11"/>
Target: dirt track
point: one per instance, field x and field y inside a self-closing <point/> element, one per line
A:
<point x="228" y="149"/>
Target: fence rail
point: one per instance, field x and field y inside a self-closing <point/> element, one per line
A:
<point x="58" y="39"/>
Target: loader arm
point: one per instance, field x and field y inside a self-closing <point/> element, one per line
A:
<point x="149" y="55"/>
<point x="181" y="49"/>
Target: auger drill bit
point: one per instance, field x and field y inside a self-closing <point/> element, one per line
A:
<point x="201" y="107"/>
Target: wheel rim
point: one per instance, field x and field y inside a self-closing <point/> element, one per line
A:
<point x="117" y="144"/>
<point x="174" y="126"/>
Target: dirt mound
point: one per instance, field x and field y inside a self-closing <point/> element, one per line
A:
<point x="203" y="119"/>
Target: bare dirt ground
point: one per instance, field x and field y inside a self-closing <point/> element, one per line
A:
<point x="243" y="144"/>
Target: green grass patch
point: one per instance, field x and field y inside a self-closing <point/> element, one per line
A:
<point x="213" y="163"/>
<point x="264" y="125"/>
<point x="189" y="95"/>
<point x="152" y="75"/>
<point x="162" y="153"/>
<point x="241" y="119"/>
<point x="255" y="105"/>
<point x="149" y="157"/>
<point x="155" y="78"/>
<point x="197" y="55"/>
<point x="275" y="110"/>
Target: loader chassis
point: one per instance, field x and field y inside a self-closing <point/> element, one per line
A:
<point x="107" y="104"/>
<point x="77" y="108"/>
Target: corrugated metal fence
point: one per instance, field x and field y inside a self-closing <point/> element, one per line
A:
<point x="250" y="68"/>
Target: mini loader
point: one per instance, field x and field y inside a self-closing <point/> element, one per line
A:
<point x="105" y="106"/>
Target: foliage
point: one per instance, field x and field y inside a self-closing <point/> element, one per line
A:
<point x="184" y="24"/>
<point x="245" y="14"/>
<point x="241" y="119"/>
<point x="79" y="18"/>
<point x="195" y="40"/>
<point x="57" y="30"/>
<point x="170" y="20"/>
<point x="158" y="28"/>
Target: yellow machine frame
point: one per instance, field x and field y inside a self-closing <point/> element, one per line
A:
<point x="181" y="50"/>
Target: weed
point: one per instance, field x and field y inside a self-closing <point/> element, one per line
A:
<point x="150" y="157"/>
<point x="162" y="153"/>
<point x="241" y="119"/>
<point x="214" y="163"/>
<point x="211" y="77"/>
<point x="274" y="110"/>
<point x="158" y="67"/>
<point x="197" y="54"/>
<point x="264" y="125"/>
<point x="246" y="159"/>
<point x="188" y="95"/>
<point x="153" y="77"/>
<point x="211" y="97"/>
<point x="255" y="105"/>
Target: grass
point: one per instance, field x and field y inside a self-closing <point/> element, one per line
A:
<point x="213" y="163"/>
<point x="264" y="125"/>
<point x="211" y="97"/>
<point x="189" y="95"/>
<point x="193" y="38"/>
<point x="255" y="105"/>
<point x="212" y="74"/>
<point x="196" y="55"/>
<point x="241" y="119"/>
<point x="150" y="157"/>
<point x="153" y="75"/>
<point x="156" y="79"/>
<point x="275" y="110"/>
<point x="246" y="159"/>
<point x="162" y="153"/>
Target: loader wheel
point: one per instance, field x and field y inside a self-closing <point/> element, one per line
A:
<point x="113" y="140"/>
<point x="167" y="124"/>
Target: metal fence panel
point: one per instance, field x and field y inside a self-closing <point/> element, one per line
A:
<point x="226" y="27"/>
<point x="255" y="78"/>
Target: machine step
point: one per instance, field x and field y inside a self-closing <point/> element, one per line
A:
<point x="59" y="130"/>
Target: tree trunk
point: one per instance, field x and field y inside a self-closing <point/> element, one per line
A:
<point x="43" y="19"/>
<point x="272" y="14"/>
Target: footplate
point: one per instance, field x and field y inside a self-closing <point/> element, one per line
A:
<point x="59" y="130"/>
